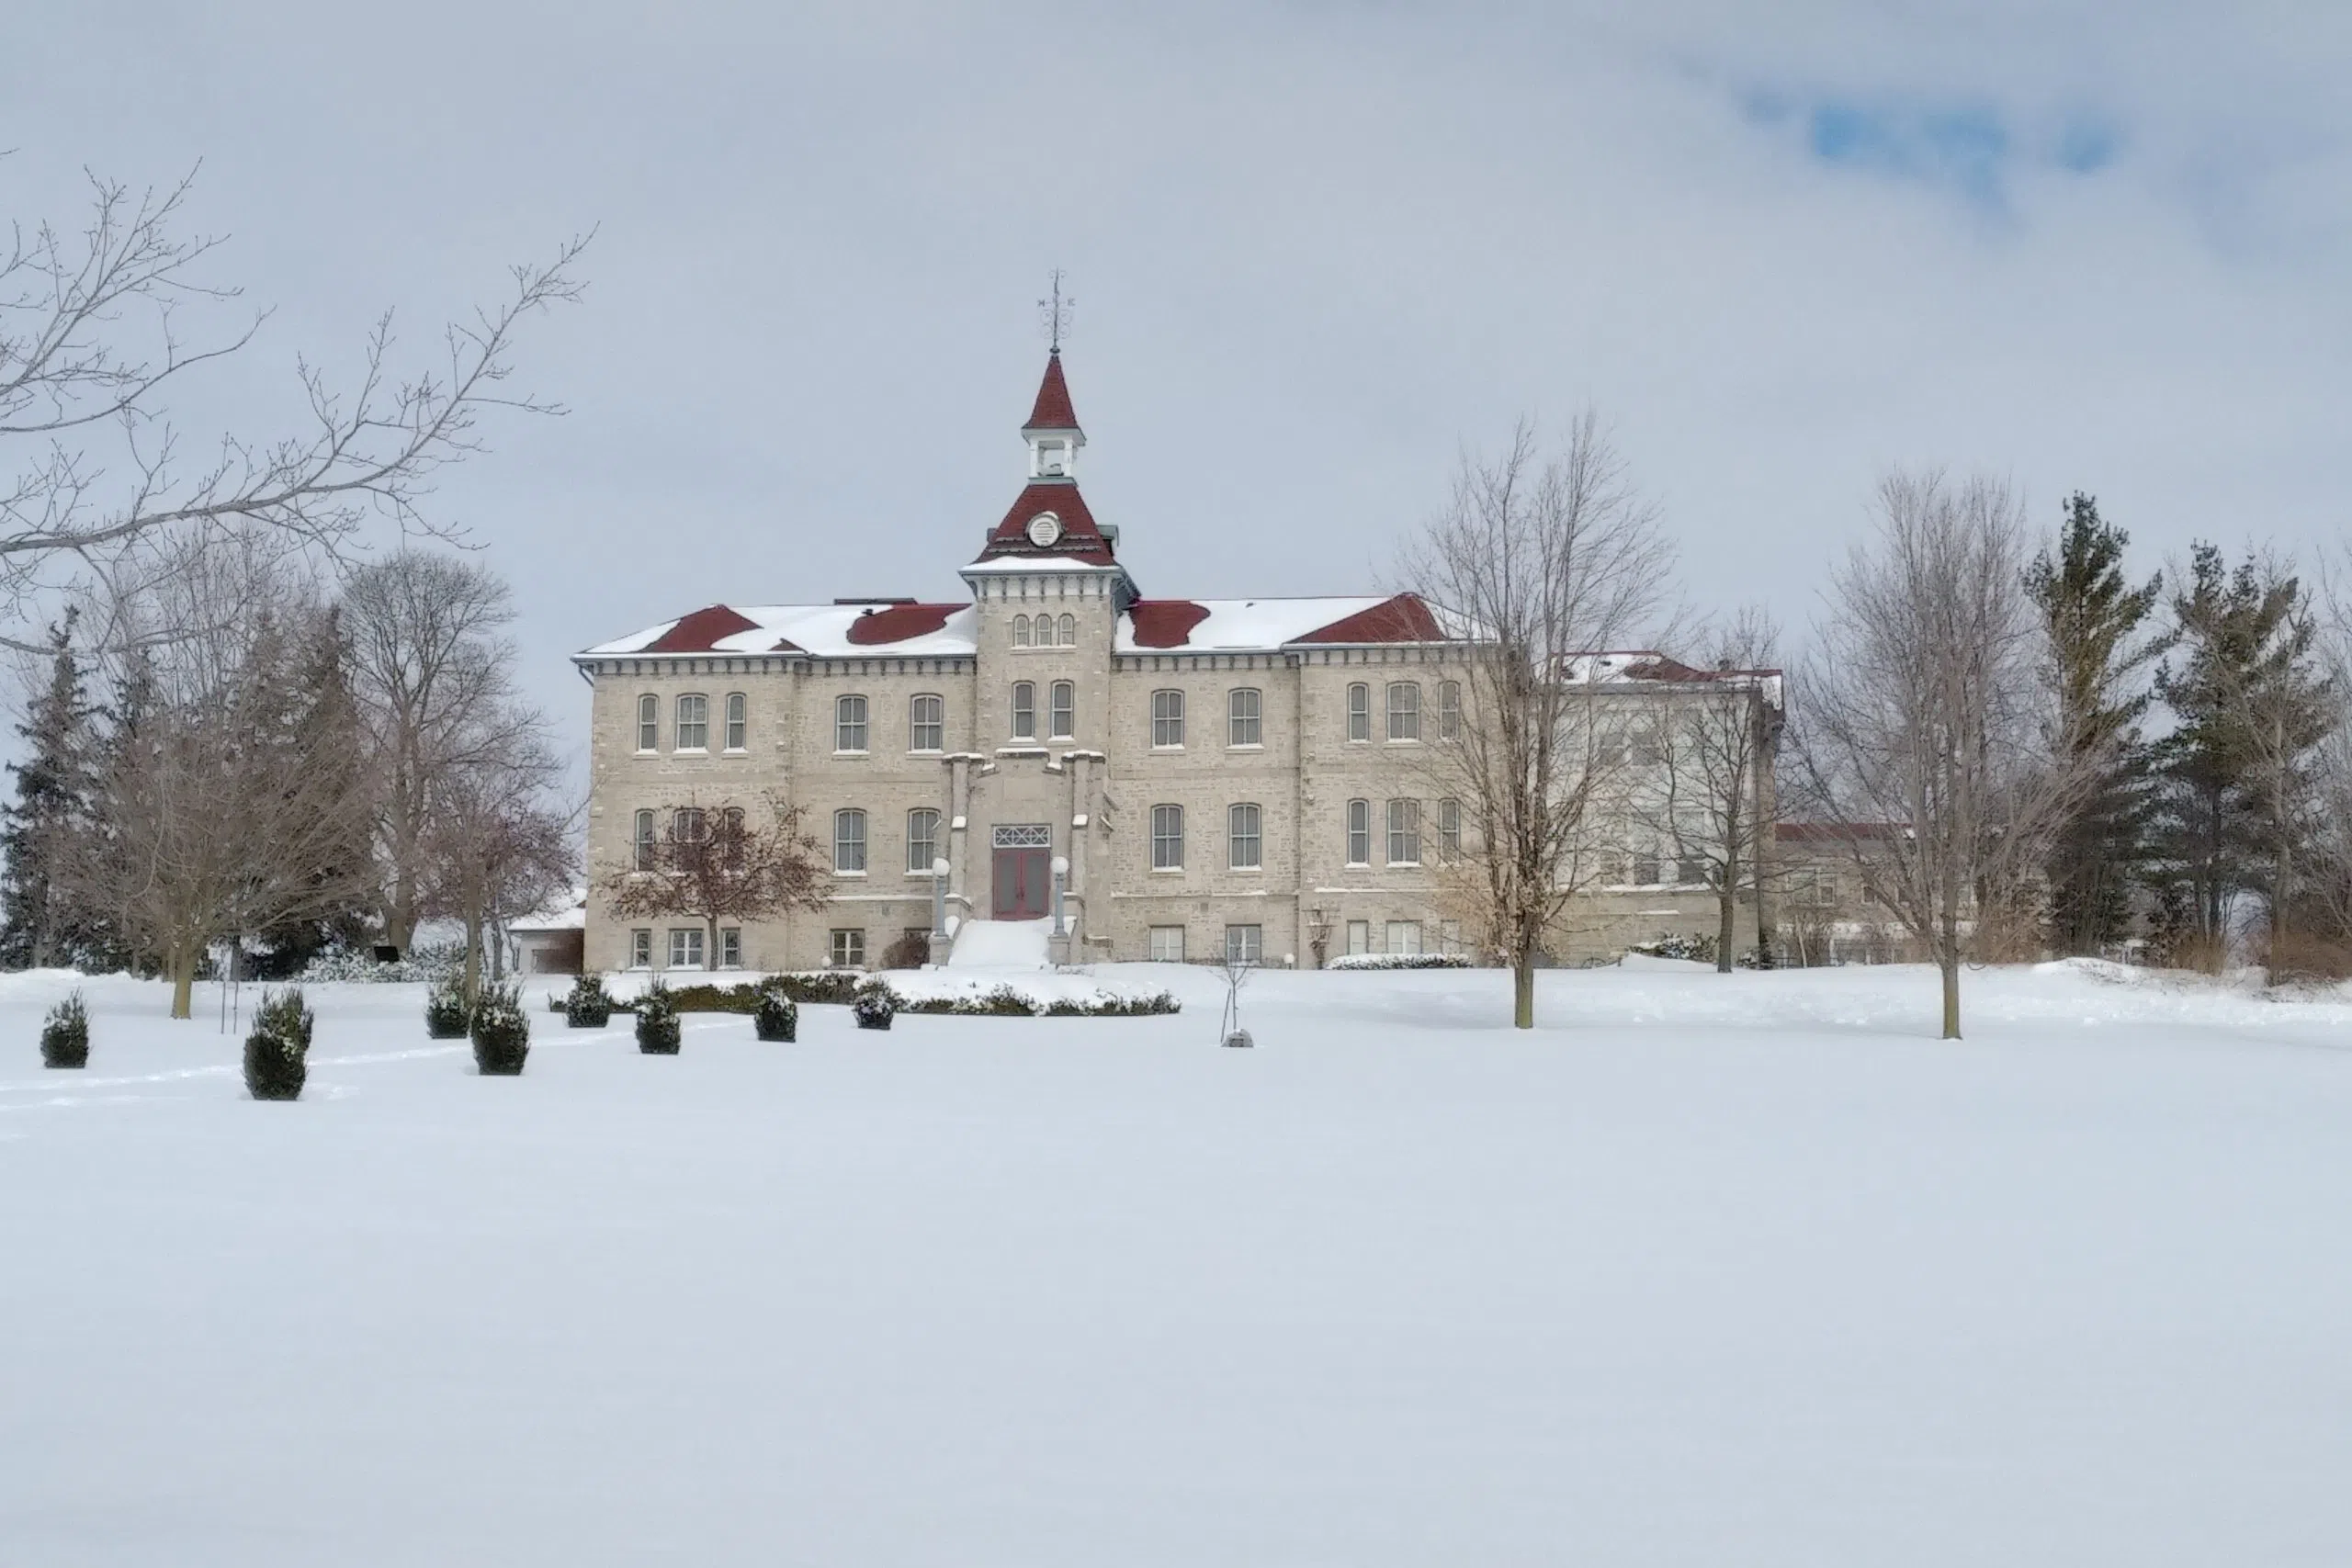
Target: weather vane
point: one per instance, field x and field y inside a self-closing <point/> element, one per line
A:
<point x="1052" y="314"/>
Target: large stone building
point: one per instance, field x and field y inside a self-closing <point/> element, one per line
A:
<point x="1206" y="777"/>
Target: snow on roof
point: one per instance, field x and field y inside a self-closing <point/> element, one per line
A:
<point x="827" y="631"/>
<point x="567" y="913"/>
<point x="1262" y="625"/>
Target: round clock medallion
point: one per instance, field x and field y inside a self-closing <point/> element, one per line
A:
<point x="1044" y="529"/>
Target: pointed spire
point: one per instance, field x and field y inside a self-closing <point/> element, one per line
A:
<point x="1053" y="411"/>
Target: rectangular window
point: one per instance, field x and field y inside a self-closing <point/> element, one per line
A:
<point x="1449" y="710"/>
<point x="1244" y="842"/>
<point x="1449" y="830"/>
<point x="848" y="950"/>
<point x="922" y="840"/>
<point x="1245" y="944"/>
<point x="1359" y="833"/>
<point x="1404" y="832"/>
<point x="1448" y="937"/>
<point x="738" y="720"/>
<point x="685" y="947"/>
<point x="1404" y="711"/>
<point x="1359" y="936"/>
<point x="1404" y="936"/>
<point x="1690" y="871"/>
<point x="849" y="724"/>
<point x="1243" y="709"/>
<point x="927" y="724"/>
<point x="649" y="723"/>
<point x="1167" y="837"/>
<point x="694" y="723"/>
<point x="1645" y="871"/>
<point x="1168" y="944"/>
<point x="1166" y="719"/>
<point x="730" y="947"/>
<point x="1062" y="712"/>
<point x="849" y="843"/>
<point x="1024" y="710"/>
<point x="647" y="849"/>
<point x="1359" y="712"/>
<point x="640" y="948"/>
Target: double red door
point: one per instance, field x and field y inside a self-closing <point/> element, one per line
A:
<point x="1021" y="885"/>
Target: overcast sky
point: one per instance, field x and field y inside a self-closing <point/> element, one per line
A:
<point x="1317" y="248"/>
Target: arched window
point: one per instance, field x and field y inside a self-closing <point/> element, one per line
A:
<point x="1166" y="719"/>
<point x="1167" y="837"/>
<point x="849" y="843"/>
<point x="646" y="847"/>
<point x="927" y="722"/>
<point x="1404" y="832"/>
<point x="1024" y="710"/>
<point x="922" y="840"/>
<point x="1243" y="708"/>
<point x="1404" y="711"/>
<point x="1067" y="632"/>
<point x="1062" y="711"/>
<point x="849" y="724"/>
<point x="1359" y="712"/>
<point x="738" y="720"/>
<point x="694" y="723"/>
<point x="649" y="723"/>
<point x="1244" y="843"/>
<point x="1449" y="710"/>
<point x="1359" y="833"/>
<point x="1020" y="631"/>
<point x="1449" y="830"/>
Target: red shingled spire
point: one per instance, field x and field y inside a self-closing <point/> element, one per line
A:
<point x="1053" y="411"/>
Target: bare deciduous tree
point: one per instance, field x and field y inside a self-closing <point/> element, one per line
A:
<point x="1538" y="559"/>
<point x="713" y="864"/>
<point x="494" y="844"/>
<point x="435" y="676"/>
<point x="1929" y="742"/>
<point x="94" y="334"/>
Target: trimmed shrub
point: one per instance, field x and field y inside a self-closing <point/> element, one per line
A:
<point x="445" y="1015"/>
<point x="1697" y="949"/>
<point x="822" y="988"/>
<point x="502" y="1036"/>
<point x="277" y="1048"/>
<point x="589" y="1004"/>
<point x="358" y="966"/>
<point x="65" y="1035"/>
<point x="1401" y="961"/>
<point x="875" y="1004"/>
<point x="776" y="1017"/>
<point x="657" y="1021"/>
<point x="911" y="950"/>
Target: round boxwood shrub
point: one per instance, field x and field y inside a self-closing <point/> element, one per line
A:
<point x="445" y="1014"/>
<point x="277" y="1049"/>
<point x="657" y="1021"/>
<point x="65" y="1037"/>
<point x="502" y="1036"/>
<point x="589" y="1004"/>
<point x="875" y="1004"/>
<point x="775" y="1016"/>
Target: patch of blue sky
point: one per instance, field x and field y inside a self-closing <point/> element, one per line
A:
<point x="1969" y="150"/>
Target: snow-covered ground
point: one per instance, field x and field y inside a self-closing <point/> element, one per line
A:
<point x="1744" y="1271"/>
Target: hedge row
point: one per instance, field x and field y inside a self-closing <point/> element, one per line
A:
<point x="836" y="988"/>
<point x="1401" y="961"/>
<point x="1007" y="1001"/>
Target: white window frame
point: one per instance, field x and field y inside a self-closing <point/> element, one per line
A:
<point x="739" y="721"/>
<point x="649" y="725"/>
<point x="1245" y="709"/>
<point x="1449" y="710"/>
<point x="730" y="947"/>
<point x="1166" y="944"/>
<point x="1359" y="711"/>
<point x="1402" y="936"/>
<point x="1359" y="833"/>
<point x="1404" y="712"/>
<point x="922" y="840"/>
<point x="849" y="842"/>
<point x="1025" y="711"/>
<point x="1021" y="631"/>
<point x="936" y="725"/>
<point x="644" y="841"/>
<point x="1245" y="835"/>
<point x="1062" y="711"/>
<point x="686" y="948"/>
<point x="1404" y="832"/>
<point x="1359" y="937"/>
<point x="845" y="948"/>
<point x="1449" y="830"/>
<point x="697" y="704"/>
<point x="1245" y="944"/>
<point x="1168" y="720"/>
<point x="1167" y="841"/>
<point x="851" y="717"/>
<point x="640" y="948"/>
<point x="1066" y="631"/>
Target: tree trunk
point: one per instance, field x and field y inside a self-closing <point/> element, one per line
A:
<point x="710" y="953"/>
<point x="181" y="959"/>
<point x="1523" y="988"/>
<point x="473" y="957"/>
<point x="1949" y="964"/>
<point x="1726" y="929"/>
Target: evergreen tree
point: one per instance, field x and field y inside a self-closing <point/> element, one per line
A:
<point x="320" y="726"/>
<point x="2093" y="617"/>
<point x="2251" y="706"/>
<point x="46" y="827"/>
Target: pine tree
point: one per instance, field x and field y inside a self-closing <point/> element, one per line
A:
<point x="2093" y="617"/>
<point x="46" y="825"/>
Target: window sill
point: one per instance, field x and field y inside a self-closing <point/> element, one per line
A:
<point x="1244" y="746"/>
<point x="1403" y="866"/>
<point x="1168" y="871"/>
<point x="926" y="750"/>
<point x="641" y="752"/>
<point x="851" y="875"/>
<point x="841" y="753"/>
<point x="736" y="751"/>
<point x="1169" y="750"/>
<point x="690" y="751"/>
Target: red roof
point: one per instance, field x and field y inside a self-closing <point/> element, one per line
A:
<point x="1080" y="539"/>
<point x="896" y="623"/>
<point x="1404" y="618"/>
<point x="1165" y="623"/>
<point x="1053" y="411"/>
<point x="700" y="632"/>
